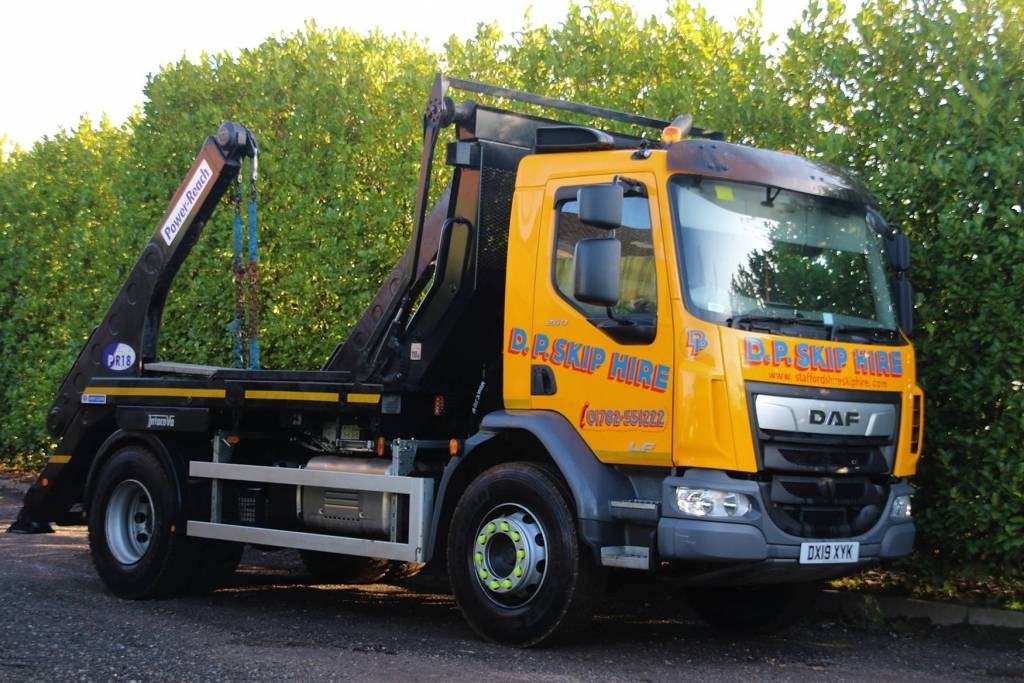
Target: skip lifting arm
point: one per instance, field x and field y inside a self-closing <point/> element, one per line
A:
<point x="128" y="334"/>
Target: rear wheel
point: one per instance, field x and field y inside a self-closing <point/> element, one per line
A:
<point x="762" y="609"/>
<point x="334" y="568"/>
<point x="516" y="564"/>
<point x="134" y="545"/>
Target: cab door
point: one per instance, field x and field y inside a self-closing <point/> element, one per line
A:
<point x="608" y="372"/>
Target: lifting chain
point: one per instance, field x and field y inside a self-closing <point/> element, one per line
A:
<point x="245" y="326"/>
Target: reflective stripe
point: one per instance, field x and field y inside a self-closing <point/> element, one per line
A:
<point x="156" y="391"/>
<point x="363" y="398"/>
<point x="59" y="459"/>
<point x="293" y="395"/>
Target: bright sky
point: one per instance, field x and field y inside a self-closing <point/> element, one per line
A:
<point x="62" y="59"/>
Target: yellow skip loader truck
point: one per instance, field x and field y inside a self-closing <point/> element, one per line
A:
<point x="601" y="354"/>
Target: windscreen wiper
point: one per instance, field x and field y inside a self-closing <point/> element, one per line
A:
<point x="841" y="328"/>
<point x="750" y="319"/>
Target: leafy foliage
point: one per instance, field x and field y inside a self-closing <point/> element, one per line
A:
<point x="922" y="98"/>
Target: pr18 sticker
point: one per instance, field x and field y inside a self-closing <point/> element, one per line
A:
<point x="118" y="357"/>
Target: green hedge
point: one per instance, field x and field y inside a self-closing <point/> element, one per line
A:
<point x="922" y="99"/>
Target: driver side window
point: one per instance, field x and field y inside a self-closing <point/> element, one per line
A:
<point x="638" y="290"/>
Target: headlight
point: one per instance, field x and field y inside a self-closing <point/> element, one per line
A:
<point x="711" y="503"/>
<point x="901" y="508"/>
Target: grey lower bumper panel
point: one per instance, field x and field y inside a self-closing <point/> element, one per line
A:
<point x="683" y="539"/>
<point x="696" y="540"/>
<point x="757" y="538"/>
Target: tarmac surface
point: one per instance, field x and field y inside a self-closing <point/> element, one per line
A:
<point x="276" y="623"/>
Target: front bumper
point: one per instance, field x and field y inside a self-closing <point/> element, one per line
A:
<point x="756" y="537"/>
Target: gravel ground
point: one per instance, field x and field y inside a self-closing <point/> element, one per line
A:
<point x="274" y="623"/>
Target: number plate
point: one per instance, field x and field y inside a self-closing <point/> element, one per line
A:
<point x="829" y="552"/>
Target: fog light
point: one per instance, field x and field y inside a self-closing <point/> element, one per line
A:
<point x="711" y="503"/>
<point x="901" y="508"/>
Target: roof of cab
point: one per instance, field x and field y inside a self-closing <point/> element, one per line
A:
<point x="744" y="164"/>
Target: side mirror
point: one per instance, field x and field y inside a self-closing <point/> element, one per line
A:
<point x="897" y="250"/>
<point x="600" y="206"/>
<point x="596" y="266"/>
<point x="903" y="294"/>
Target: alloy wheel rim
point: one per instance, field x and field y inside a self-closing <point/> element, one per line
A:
<point x="508" y="555"/>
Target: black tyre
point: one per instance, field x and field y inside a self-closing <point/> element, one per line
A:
<point x="517" y="567"/>
<point x="334" y="568"/>
<point x="131" y="537"/>
<point x="754" y="609"/>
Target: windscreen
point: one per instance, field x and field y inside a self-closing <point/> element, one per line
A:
<point x="751" y="250"/>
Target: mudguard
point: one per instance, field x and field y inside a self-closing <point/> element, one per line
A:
<point x="592" y="483"/>
<point x="121" y="438"/>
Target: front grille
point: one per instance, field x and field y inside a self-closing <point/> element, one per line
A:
<point x="817" y="456"/>
<point x="824" y="507"/>
<point x="822" y="453"/>
<point x="821" y="485"/>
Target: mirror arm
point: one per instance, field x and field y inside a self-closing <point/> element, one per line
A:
<point x="631" y="187"/>
<point x="880" y="225"/>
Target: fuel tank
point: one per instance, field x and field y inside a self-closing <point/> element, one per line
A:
<point x="364" y="514"/>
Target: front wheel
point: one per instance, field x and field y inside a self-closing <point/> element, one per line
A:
<point x="761" y="609"/>
<point x="517" y="567"/>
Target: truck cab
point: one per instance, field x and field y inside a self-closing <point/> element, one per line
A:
<point x="748" y="372"/>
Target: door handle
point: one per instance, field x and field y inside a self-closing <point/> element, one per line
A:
<point x="542" y="381"/>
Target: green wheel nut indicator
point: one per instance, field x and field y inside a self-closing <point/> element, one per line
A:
<point x="483" y="573"/>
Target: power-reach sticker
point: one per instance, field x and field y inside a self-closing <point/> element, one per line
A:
<point x="188" y="200"/>
<point x="118" y="357"/>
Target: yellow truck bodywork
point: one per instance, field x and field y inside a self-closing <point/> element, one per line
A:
<point x="699" y="415"/>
